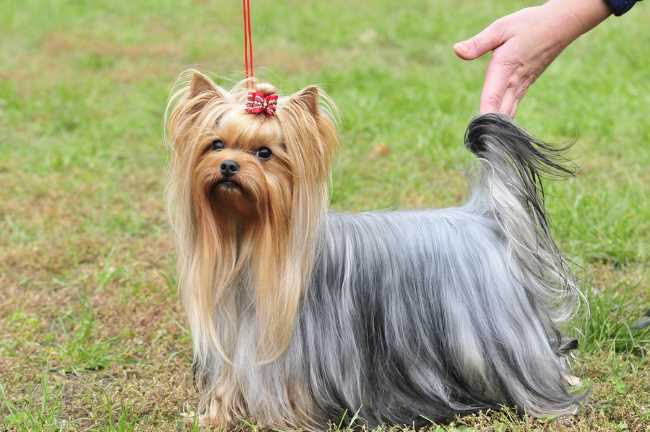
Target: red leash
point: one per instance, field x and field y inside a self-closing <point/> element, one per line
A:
<point x="256" y="102"/>
<point x="248" y="40"/>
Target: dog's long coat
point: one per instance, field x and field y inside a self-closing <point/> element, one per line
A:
<point x="400" y="317"/>
<point x="420" y="315"/>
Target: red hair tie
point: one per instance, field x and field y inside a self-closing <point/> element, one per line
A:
<point x="258" y="103"/>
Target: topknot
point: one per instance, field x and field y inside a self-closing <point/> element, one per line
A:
<point x="266" y="89"/>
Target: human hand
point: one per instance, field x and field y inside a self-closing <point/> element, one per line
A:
<point x="524" y="44"/>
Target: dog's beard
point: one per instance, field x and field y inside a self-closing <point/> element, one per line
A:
<point x="239" y="200"/>
<point x="240" y="197"/>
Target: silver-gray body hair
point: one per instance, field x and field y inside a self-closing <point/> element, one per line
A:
<point x="413" y="316"/>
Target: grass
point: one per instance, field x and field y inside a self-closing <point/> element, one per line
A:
<point x="92" y="336"/>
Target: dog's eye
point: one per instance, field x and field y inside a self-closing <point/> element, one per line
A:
<point x="264" y="153"/>
<point x="217" y="145"/>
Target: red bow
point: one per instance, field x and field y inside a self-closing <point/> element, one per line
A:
<point x="258" y="103"/>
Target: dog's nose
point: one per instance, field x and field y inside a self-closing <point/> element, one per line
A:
<point x="229" y="168"/>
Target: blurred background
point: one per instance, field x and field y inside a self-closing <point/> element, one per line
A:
<point x="92" y="335"/>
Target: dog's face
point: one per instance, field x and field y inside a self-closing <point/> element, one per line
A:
<point x="247" y="166"/>
<point x="243" y="166"/>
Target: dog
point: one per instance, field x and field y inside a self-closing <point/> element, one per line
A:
<point x="300" y="315"/>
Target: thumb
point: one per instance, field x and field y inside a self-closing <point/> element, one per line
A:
<point x="485" y="41"/>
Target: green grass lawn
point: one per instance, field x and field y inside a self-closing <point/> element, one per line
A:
<point x="92" y="335"/>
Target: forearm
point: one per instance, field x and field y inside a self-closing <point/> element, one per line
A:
<point x="580" y="15"/>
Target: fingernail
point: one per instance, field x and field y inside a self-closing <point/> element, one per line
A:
<point x="459" y="46"/>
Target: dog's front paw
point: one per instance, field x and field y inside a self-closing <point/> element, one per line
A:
<point x="214" y="422"/>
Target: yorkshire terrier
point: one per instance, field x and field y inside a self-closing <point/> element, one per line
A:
<point x="300" y="315"/>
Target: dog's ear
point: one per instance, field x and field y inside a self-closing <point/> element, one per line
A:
<point x="307" y="99"/>
<point x="202" y="91"/>
<point x="202" y="84"/>
<point x="309" y="131"/>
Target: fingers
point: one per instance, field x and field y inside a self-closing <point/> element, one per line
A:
<point x="494" y="89"/>
<point x="498" y="74"/>
<point x="509" y="104"/>
<point x="485" y="41"/>
<point x="511" y="99"/>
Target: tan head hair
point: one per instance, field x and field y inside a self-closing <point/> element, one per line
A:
<point x="245" y="222"/>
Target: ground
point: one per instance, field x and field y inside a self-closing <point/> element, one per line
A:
<point x="92" y="336"/>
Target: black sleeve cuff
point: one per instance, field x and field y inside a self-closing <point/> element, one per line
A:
<point x="619" y="7"/>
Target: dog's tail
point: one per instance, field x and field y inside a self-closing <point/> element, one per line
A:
<point x="510" y="189"/>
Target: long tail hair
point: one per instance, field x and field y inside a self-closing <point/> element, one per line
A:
<point x="509" y="186"/>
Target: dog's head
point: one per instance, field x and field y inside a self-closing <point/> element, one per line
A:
<point x="248" y="187"/>
<point x="250" y="166"/>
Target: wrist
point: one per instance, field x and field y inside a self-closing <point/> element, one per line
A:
<point x="580" y="15"/>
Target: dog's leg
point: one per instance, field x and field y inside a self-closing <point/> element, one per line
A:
<point x="222" y="404"/>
